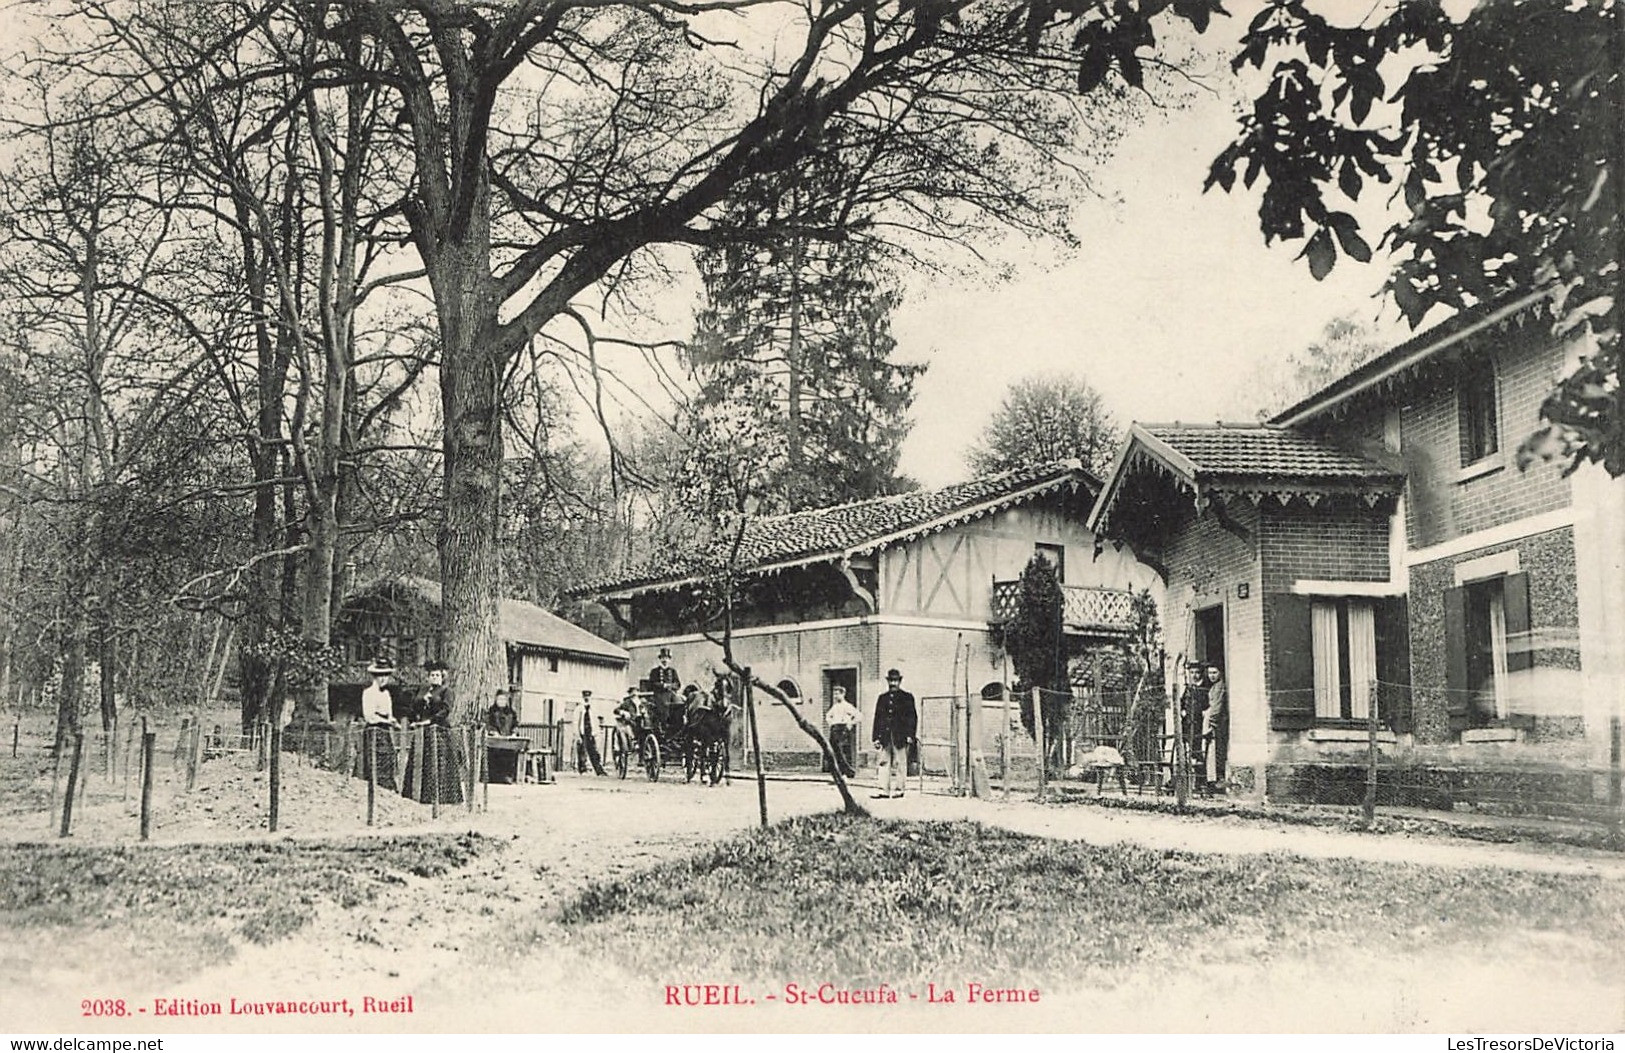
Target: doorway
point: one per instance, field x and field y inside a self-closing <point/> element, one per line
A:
<point x="844" y="677"/>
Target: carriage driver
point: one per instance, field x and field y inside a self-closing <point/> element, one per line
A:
<point x="665" y="683"/>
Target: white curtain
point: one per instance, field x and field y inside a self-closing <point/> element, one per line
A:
<point x="1328" y="682"/>
<point x="1498" y="650"/>
<point x="1362" y="656"/>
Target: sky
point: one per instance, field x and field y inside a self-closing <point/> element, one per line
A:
<point x="1169" y="304"/>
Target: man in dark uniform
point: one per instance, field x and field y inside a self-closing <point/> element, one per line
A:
<point x="664" y="685"/>
<point x="896" y="721"/>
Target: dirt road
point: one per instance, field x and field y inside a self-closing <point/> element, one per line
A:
<point x="476" y="949"/>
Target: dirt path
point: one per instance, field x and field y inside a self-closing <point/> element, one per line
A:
<point x="476" y="950"/>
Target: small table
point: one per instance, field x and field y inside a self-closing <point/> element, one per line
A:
<point x="502" y="756"/>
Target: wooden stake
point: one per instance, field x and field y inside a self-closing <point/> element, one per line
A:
<point x="485" y="772"/>
<point x="149" y="746"/>
<point x="756" y="747"/>
<point x="73" y="779"/>
<point x="434" y="767"/>
<point x="1038" y="730"/>
<point x="276" y="775"/>
<point x="129" y="744"/>
<point x="1370" y="807"/>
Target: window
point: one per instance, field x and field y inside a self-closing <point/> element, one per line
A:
<point x="1343" y="640"/>
<point x="1478" y="416"/>
<point x="1056" y="556"/>
<point x="1486" y="640"/>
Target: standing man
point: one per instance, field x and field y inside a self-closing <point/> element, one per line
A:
<point x="896" y="721"/>
<point x="664" y="685"/>
<point x="843" y="719"/>
<point x="1217" y="728"/>
<point x="586" y="738"/>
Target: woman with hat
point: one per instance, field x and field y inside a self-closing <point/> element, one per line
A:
<point x="442" y="762"/>
<point x="378" y="710"/>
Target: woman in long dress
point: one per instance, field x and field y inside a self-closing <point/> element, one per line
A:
<point x="377" y="709"/>
<point x="437" y="772"/>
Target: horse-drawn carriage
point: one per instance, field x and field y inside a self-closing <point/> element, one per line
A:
<point x="657" y="729"/>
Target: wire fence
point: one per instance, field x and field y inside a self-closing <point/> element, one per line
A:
<point x="160" y="769"/>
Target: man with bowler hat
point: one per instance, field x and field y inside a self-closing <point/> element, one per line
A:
<point x="896" y="722"/>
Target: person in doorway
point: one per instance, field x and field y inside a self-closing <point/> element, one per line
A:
<point x="896" y="721"/>
<point x="1193" y="704"/>
<point x="587" y="738"/>
<point x="843" y="719"/>
<point x="377" y="710"/>
<point x="1216" y="730"/>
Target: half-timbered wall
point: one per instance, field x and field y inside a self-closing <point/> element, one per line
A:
<point x="950" y="575"/>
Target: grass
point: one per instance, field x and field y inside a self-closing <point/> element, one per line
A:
<point x="191" y="903"/>
<point x="903" y="902"/>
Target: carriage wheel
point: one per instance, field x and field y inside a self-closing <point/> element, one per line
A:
<point x="718" y="762"/>
<point x="649" y="756"/>
<point x="623" y="755"/>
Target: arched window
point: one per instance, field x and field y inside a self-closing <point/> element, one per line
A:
<point x="992" y="692"/>
<point x="791" y="689"/>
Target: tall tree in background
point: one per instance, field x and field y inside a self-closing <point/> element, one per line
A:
<point x="1501" y="125"/>
<point x="1344" y="344"/>
<point x="809" y="321"/>
<point x="1045" y="418"/>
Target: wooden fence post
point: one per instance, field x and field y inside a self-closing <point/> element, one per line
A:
<point x="433" y="786"/>
<point x="149" y="746"/>
<point x="129" y="748"/>
<point x="485" y="773"/>
<point x="1369" y="809"/>
<point x="1182" y="756"/>
<point x="73" y="779"/>
<point x="1038" y="731"/>
<point x="193" y="754"/>
<point x="1004" y="745"/>
<point x="756" y="747"/>
<point x="276" y="775"/>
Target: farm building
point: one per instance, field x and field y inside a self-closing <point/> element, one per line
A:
<point x="550" y="661"/>
<point x="1380" y="543"/>
<point x="917" y="581"/>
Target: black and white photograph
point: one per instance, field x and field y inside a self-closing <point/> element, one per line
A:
<point x="769" y="517"/>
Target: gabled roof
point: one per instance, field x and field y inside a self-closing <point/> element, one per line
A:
<point x="1260" y="451"/>
<point x="842" y="531"/>
<point x="1251" y="460"/>
<point x="1392" y="366"/>
<point x="521" y="623"/>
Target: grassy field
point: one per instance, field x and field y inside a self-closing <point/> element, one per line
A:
<point x="904" y="902"/>
<point x="178" y="908"/>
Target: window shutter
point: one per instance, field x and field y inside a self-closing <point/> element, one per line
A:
<point x="1292" y="669"/>
<point x="1394" y="664"/>
<point x="1515" y="602"/>
<point x="1455" y="652"/>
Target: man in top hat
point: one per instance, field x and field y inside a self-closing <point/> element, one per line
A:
<point x="896" y="721"/>
<point x="664" y="685"/>
<point x="586" y="738"/>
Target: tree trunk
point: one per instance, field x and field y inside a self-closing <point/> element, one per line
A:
<point x="470" y="558"/>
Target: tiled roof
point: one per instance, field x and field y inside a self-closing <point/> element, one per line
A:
<point x="804" y="537"/>
<point x="519" y="622"/>
<point x="1262" y="451"/>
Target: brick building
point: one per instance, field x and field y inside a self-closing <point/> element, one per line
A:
<point x="917" y="581"/>
<point x="1379" y="541"/>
